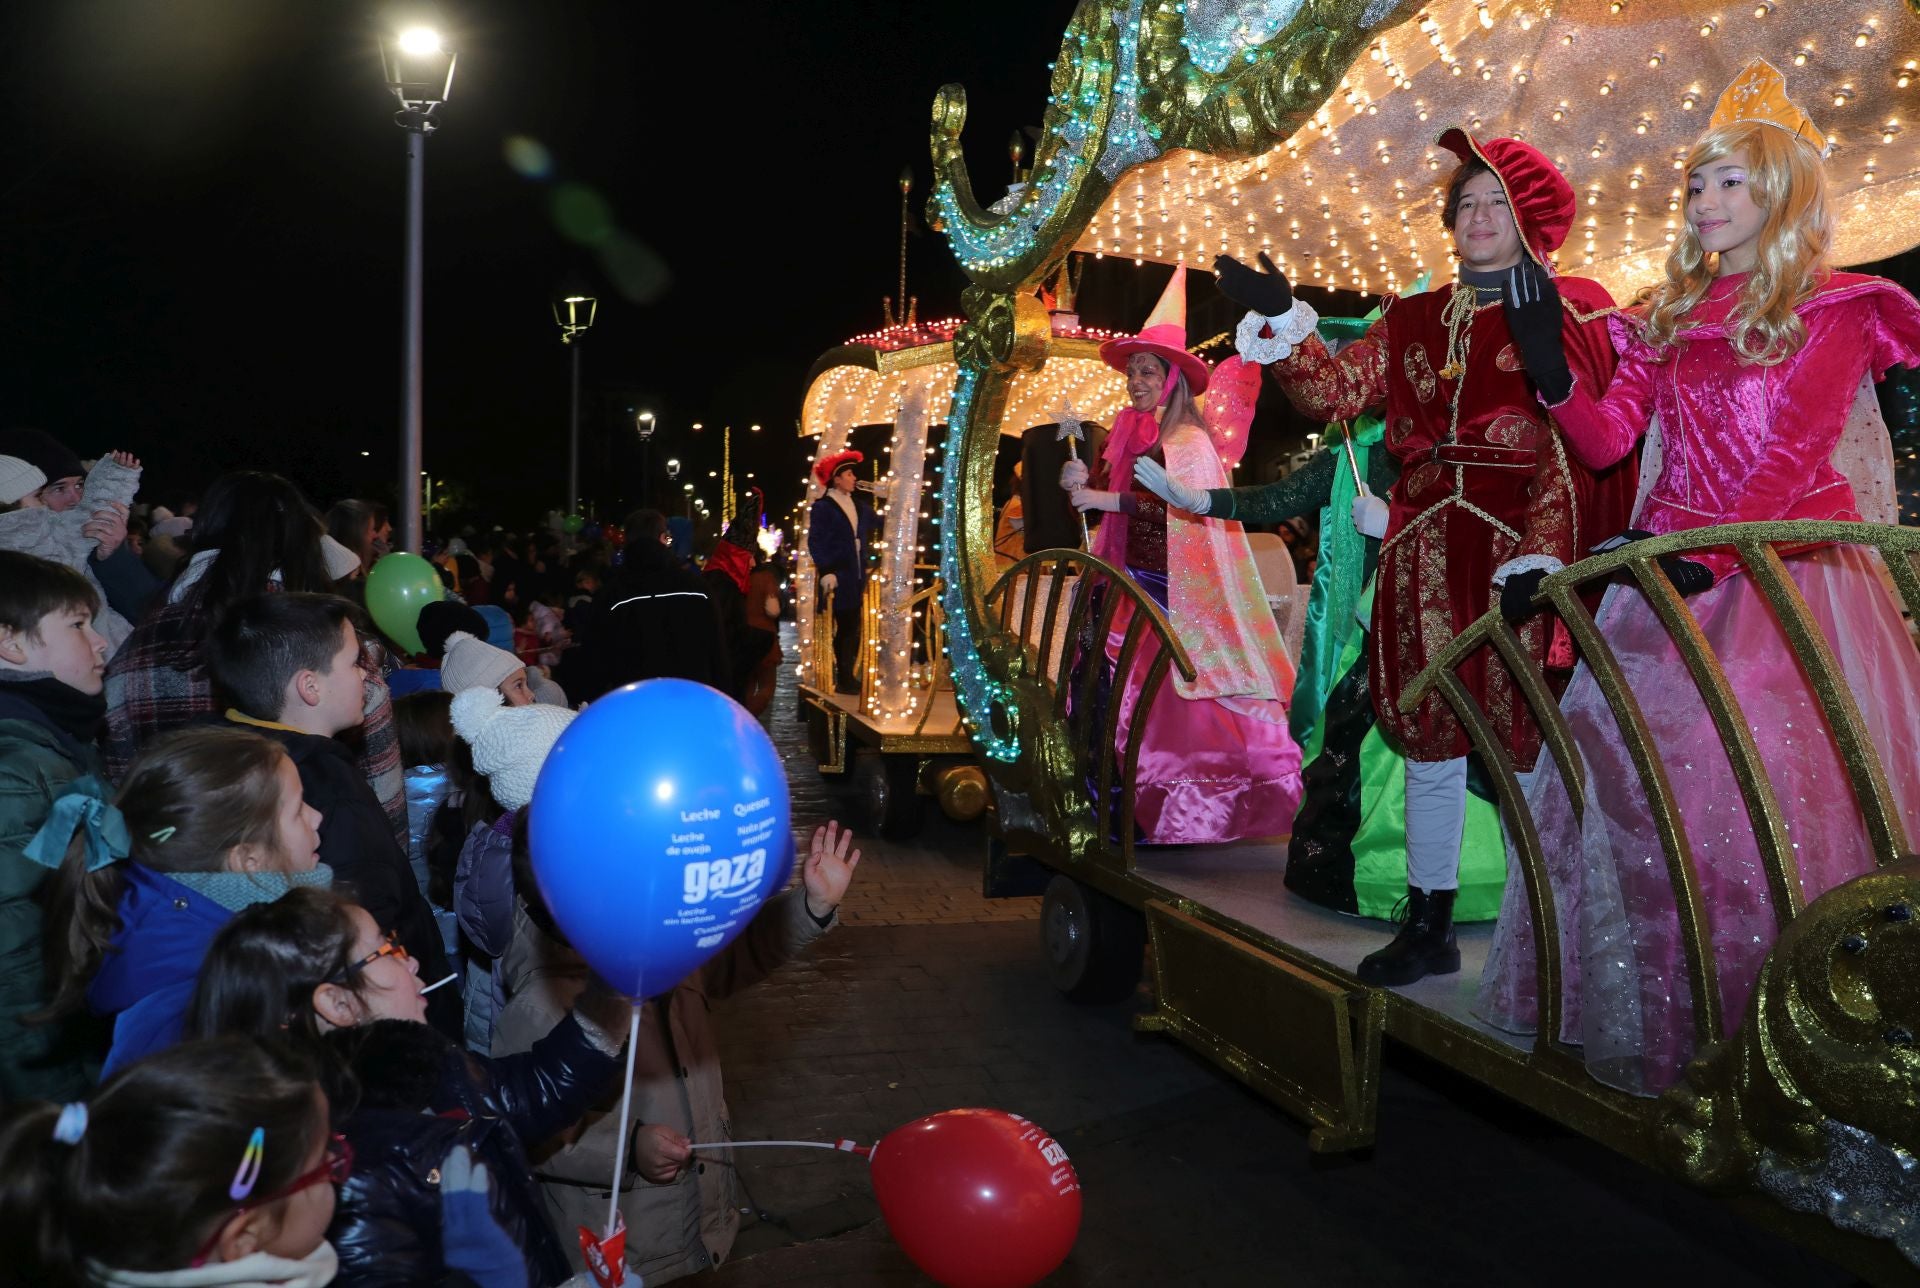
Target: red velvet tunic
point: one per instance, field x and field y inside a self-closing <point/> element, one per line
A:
<point x="1484" y="479"/>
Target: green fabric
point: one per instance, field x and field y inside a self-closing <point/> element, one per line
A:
<point x="1338" y="579"/>
<point x="36" y="1061"/>
<point x="1380" y="846"/>
<point x="1380" y="843"/>
<point x="1323" y="484"/>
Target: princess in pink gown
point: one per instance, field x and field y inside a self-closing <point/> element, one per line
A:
<point x="1747" y="365"/>
<point x="1217" y="762"/>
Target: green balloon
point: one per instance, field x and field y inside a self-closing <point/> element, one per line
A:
<point x="399" y="586"/>
<point x="573" y="523"/>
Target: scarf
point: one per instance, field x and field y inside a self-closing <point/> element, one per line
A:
<point x="237" y="891"/>
<point x="735" y="561"/>
<point x="76" y="714"/>
<point x="261" y="1270"/>
<point x="1133" y="435"/>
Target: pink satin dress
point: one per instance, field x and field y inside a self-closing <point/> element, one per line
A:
<point x="1740" y="442"/>
<point x="1217" y="760"/>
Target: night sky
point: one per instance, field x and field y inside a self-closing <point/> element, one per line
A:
<point x="201" y="217"/>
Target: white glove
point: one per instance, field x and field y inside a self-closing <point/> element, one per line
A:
<point x="1074" y="474"/>
<point x="1153" y="476"/>
<point x="1370" y="515"/>
<point x="1086" y="498"/>
<point x="828" y="582"/>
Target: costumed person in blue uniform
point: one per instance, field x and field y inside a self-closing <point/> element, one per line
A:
<point x="839" y="528"/>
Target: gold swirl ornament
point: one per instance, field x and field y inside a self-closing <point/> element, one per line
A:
<point x="1830" y="1033"/>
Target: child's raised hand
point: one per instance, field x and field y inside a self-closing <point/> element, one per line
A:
<point x="126" y="460"/>
<point x="828" y="869"/>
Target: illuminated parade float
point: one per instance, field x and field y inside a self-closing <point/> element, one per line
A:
<point x="1311" y="133"/>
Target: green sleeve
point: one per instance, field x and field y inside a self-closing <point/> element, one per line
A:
<point x="1302" y="492"/>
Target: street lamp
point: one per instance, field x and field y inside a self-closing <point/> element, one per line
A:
<point x="574" y="314"/>
<point x="644" y="424"/>
<point x="419" y="73"/>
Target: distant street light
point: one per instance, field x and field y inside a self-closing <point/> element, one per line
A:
<point x="574" y="314"/>
<point x="644" y="425"/>
<point x="419" y="73"/>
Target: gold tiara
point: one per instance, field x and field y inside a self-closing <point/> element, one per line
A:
<point x="1759" y="93"/>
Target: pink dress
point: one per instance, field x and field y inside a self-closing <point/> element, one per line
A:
<point x="1740" y="443"/>
<point x="1217" y="761"/>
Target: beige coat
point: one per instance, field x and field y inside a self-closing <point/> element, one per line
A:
<point x="689" y="1225"/>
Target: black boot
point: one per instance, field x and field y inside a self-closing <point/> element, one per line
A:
<point x="1425" y="945"/>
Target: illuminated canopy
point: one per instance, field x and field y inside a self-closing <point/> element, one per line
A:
<point x="1613" y="90"/>
<point x="863" y="381"/>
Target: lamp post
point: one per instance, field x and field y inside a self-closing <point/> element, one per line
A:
<point x="688" y="489"/>
<point x="574" y="314"/>
<point x="419" y="72"/>
<point x="644" y="424"/>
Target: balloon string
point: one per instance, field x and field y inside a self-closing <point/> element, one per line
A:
<point x="626" y="1108"/>
<point x="844" y="1146"/>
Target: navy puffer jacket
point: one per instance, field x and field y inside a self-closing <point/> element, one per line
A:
<point x="420" y="1096"/>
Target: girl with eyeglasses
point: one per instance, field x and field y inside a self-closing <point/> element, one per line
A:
<point x="211" y="1163"/>
<point x="317" y="969"/>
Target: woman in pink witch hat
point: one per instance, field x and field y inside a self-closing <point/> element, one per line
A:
<point x="1216" y="760"/>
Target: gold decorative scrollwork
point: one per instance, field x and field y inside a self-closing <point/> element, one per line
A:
<point x="1830" y="1033"/>
<point x="1248" y="107"/>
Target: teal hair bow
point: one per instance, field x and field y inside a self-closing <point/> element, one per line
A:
<point x="84" y="809"/>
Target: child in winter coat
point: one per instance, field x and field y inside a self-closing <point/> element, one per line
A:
<point x="317" y="968"/>
<point x="70" y="536"/>
<point x="209" y="821"/>
<point x="210" y="1164"/>
<point x="52" y="667"/>
<point x="509" y="744"/>
<point x="681" y="1214"/>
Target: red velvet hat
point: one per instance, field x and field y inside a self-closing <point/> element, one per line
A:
<point x="1539" y="195"/>
<point x="827" y="466"/>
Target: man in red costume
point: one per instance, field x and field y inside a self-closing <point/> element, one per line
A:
<point x="1489" y="500"/>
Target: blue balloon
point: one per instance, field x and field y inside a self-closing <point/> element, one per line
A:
<point x="660" y="825"/>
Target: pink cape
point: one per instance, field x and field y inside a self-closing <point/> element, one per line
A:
<point x="1216" y="759"/>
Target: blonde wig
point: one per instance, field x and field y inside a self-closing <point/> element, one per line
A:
<point x="1787" y="181"/>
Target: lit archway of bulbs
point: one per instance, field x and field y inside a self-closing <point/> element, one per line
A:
<point x="1615" y="91"/>
<point x="905" y="378"/>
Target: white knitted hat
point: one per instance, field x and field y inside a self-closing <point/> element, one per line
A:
<point x="509" y="743"/>
<point x="18" y="478"/>
<point x="469" y="662"/>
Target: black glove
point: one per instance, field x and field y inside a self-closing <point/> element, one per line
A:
<point x="1517" y="592"/>
<point x="1534" y="317"/>
<point x="1269" y="294"/>
<point x="1688" y="577"/>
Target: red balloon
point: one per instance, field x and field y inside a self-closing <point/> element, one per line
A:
<point x="978" y="1198"/>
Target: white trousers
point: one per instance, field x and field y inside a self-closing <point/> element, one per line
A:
<point x="1436" y="818"/>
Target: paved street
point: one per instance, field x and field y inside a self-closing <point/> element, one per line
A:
<point x="930" y="997"/>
